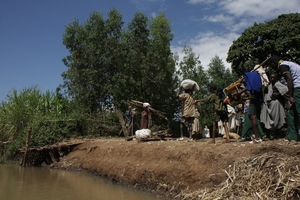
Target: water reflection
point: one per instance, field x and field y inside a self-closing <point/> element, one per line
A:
<point x="30" y="183"/>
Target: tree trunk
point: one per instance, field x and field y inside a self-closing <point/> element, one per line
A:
<point x="122" y="122"/>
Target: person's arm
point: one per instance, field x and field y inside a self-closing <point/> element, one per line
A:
<point x="205" y="100"/>
<point x="290" y="84"/>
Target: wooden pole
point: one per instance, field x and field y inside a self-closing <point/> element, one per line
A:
<point x="23" y="164"/>
<point x="132" y="116"/>
<point x="122" y="122"/>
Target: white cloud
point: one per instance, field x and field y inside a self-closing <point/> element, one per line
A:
<point x="234" y="16"/>
<point x="243" y="13"/>
<point x="208" y="45"/>
<point x="258" y="8"/>
<point x="219" y="18"/>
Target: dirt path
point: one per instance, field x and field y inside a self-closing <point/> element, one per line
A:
<point x="167" y="167"/>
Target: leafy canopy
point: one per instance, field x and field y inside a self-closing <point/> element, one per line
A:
<point x="279" y="36"/>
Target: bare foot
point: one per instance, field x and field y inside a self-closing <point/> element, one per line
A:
<point x="226" y="141"/>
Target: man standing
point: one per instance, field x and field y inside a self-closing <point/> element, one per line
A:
<point x="189" y="111"/>
<point x="291" y="72"/>
<point x="253" y="85"/>
<point x="128" y="117"/>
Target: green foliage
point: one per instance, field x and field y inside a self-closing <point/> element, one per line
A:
<point x="26" y="109"/>
<point x="276" y="37"/>
<point x="158" y="84"/>
<point x="93" y="58"/>
<point x="128" y="79"/>
<point x="219" y="75"/>
<point x="51" y="118"/>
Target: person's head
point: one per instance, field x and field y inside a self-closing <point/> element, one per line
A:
<point x="146" y="106"/>
<point x="212" y="89"/>
<point x="273" y="62"/>
<point x="129" y="107"/>
<point x="273" y="78"/>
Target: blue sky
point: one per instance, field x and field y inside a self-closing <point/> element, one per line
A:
<point x="31" y="31"/>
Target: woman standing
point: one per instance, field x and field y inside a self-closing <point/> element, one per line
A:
<point x="146" y="121"/>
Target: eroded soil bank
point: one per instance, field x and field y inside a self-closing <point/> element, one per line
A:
<point x="170" y="168"/>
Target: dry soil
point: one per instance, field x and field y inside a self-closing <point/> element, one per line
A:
<point x="169" y="167"/>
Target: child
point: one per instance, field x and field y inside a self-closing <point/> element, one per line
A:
<point x="220" y="112"/>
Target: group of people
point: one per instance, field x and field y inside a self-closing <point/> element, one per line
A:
<point x="266" y="100"/>
<point x="190" y="112"/>
<point x="146" y="118"/>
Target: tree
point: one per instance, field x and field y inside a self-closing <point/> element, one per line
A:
<point x="219" y="75"/>
<point x="134" y="47"/>
<point x="94" y="57"/>
<point x="276" y="37"/>
<point x="157" y="82"/>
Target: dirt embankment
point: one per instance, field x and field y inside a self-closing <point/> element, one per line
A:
<point x="181" y="169"/>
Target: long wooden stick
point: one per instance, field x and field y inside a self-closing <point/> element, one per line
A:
<point x="23" y="164"/>
<point x="262" y="64"/>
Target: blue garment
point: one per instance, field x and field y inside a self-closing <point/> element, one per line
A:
<point x="254" y="84"/>
<point x="128" y="115"/>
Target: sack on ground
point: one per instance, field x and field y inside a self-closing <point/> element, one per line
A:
<point x="232" y="136"/>
<point x="143" y="133"/>
<point x="205" y="133"/>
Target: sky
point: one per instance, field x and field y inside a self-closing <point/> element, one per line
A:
<point x="31" y="31"/>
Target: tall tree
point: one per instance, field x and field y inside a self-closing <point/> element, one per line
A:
<point x="113" y="57"/>
<point x="219" y="75"/>
<point x="134" y="47"/>
<point x="93" y="57"/>
<point x="279" y="36"/>
<point x="157" y="82"/>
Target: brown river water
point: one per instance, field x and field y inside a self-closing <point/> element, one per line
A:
<point x="33" y="183"/>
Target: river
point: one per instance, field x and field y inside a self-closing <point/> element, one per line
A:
<point x="36" y="183"/>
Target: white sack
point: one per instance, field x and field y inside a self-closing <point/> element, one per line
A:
<point x="145" y="105"/>
<point x="205" y="133"/>
<point x="188" y="84"/>
<point x="143" y="133"/>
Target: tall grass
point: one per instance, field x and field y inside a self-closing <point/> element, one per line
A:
<point x="52" y="118"/>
